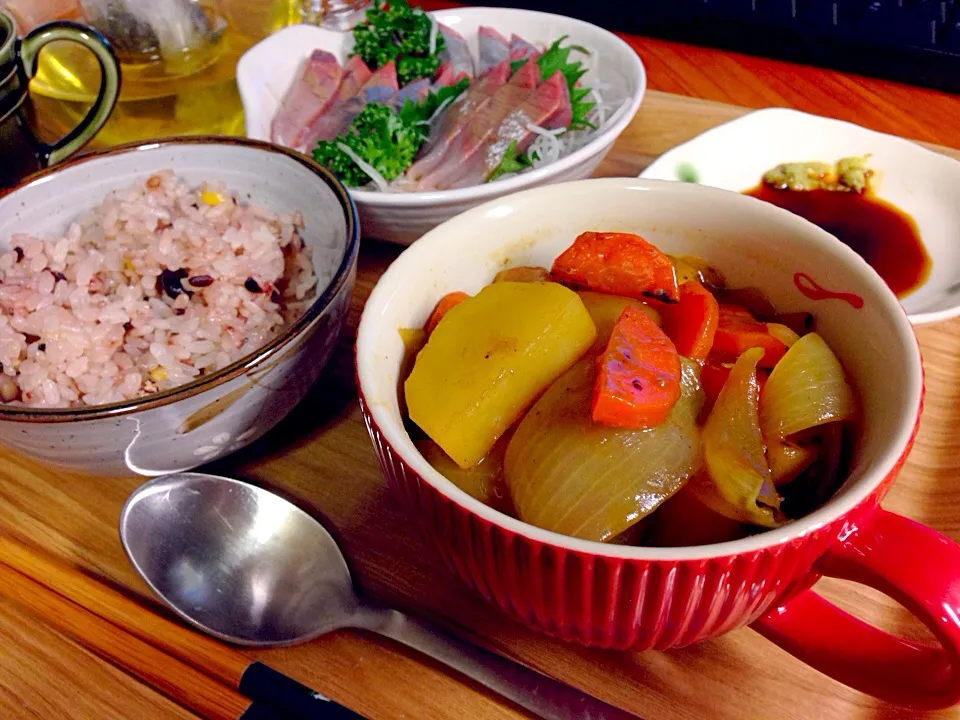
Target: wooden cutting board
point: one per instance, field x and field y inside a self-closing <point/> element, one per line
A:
<point x="321" y="457"/>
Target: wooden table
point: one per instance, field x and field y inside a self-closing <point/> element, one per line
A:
<point x="322" y="457"/>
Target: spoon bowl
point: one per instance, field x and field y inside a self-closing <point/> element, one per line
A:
<point x="237" y="561"/>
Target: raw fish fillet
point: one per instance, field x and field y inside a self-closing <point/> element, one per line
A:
<point x="494" y="48"/>
<point x="520" y="49"/>
<point x="380" y="86"/>
<point x="465" y="153"/>
<point x="453" y="122"/>
<point x="310" y="97"/>
<point x="383" y="84"/>
<point x="355" y="71"/>
<point x="547" y="107"/>
<point x="456" y="51"/>
<point x="445" y="76"/>
<point x="416" y="91"/>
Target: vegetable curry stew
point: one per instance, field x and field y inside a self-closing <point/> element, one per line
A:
<point x="624" y="395"/>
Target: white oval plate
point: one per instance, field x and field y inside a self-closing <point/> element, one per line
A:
<point x="922" y="183"/>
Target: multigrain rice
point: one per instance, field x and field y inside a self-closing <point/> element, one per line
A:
<point x="158" y="285"/>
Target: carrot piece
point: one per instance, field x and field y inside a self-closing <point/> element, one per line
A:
<point x="619" y="264"/>
<point x="638" y="379"/>
<point x="712" y="377"/>
<point x="692" y="322"/>
<point x="738" y="331"/>
<point x="447" y="302"/>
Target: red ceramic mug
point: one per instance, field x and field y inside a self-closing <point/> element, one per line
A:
<point x="639" y="598"/>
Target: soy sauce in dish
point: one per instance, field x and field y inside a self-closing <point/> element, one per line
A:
<point x="882" y="234"/>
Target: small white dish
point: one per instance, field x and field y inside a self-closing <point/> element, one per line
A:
<point x="266" y="71"/>
<point x="922" y="183"/>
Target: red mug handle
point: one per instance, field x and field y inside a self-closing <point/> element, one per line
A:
<point x="916" y="566"/>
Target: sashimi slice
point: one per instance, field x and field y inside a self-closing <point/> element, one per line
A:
<point x="454" y="120"/>
<point x="445" y="76"/>
<point x="379" y="86"/>
<point x="355" y="71"/>
<point x="465" y="153"/>
<point x="344" y="109"/>
<point x="456" y="51"/>
<point x="310" y="97"/>
<point x="520" y="49"/>
<point x="494" y="48"/>
<point x="415" y="91"/>
<point x="563" y="115"/>
<point x="383" y="84"/>
<point x="547" y="107"/>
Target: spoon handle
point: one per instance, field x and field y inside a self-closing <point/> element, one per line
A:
<point x="543" y="696"/>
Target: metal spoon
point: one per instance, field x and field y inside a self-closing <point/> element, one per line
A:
<point x="250" y="568"/>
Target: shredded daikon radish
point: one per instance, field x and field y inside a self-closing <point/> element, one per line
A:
<point x="544" y="150"/>
<point x="436" y="113"/>
<point x="599" y="116"/>
<point x="371" y="171"/>
<point x="443" y="106"/>
<point x="598" y="113"/>
<point x="434" y="31"/>
<point x="601" y="110"/>
<point x="545" y="131"/>
<point x="546" y="147"/>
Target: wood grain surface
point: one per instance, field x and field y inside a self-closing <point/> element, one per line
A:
<point x="173" y="678"/>
<point x="320" y="457"/>
<point x="45" y="676"/>
<point x="758" y="82"/>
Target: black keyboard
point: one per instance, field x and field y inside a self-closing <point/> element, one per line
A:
<point x="912" y="41"/>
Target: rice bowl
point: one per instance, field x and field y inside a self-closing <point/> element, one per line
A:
<point x="276" y="349"/>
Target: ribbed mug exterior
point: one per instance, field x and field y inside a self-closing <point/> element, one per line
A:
<point x="616" y="603"/>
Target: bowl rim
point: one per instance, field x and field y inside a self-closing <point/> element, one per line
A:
<point x="309" y="317"/>
<point x="476" y="193"/>
<point x="834" y="510"/>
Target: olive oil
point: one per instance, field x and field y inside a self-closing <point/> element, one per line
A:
<point x="191" y="93"/>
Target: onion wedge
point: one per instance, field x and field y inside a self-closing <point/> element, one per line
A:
<point x="568" y="474"/>
<point x="807" y="388"/>
<point x="737" y="482"/>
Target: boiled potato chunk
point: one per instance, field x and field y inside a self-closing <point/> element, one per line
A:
<point x="489" y="359"/>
